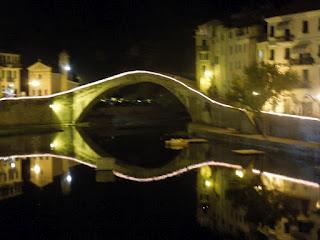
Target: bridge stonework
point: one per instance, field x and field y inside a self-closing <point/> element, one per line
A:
<point x="70" y="107"/>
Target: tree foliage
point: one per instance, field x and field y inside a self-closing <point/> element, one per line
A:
<point x="260" y="83"/>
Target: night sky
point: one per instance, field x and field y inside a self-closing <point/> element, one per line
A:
<point x="111" y="36"/>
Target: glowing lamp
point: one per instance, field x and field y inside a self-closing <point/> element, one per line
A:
<point x="37" y="169"/>
<point x="254" y="93"/>
<point x="239" y="173"/>
<point x="208" y="183"/>
<point x="67" y="67"/>
<point x="69" y="178"/>
<point x="52" y="146"/>
<point x="54" y="107"/>
<point x="12" y="165"/>
<point x="35" y="83"/>
<point x="208" y="73"/>
<point x="318" y="97"/>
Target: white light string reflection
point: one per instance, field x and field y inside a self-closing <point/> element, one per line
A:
<point x="171" y="174"/>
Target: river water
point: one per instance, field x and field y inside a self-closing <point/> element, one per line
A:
<point x="104" y="183"/>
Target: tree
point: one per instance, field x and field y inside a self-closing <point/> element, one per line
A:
<point x="259" y="84"/>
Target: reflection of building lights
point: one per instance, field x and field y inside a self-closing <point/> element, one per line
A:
<point x="69" y="178"/>
<point x="36" y="169"/>
<point x="208" y="183"/>
<point x="35" y="83"/>
<point x="54" y="107"/>
<point x="208" y="73"/>
<point x="318" y="204"/>
<point x="205" y="171"/>
<point x="12" y="165"/>
<point x="254" y="93"/>
<point x="239" y="173"/>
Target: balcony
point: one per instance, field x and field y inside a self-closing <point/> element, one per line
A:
<point x="285" y="38"/>
<point x="203" y="48"/>
<point x="10" y="64"/>
<point x="302" y="61"/>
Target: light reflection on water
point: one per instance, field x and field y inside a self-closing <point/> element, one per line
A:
<point x="271" y="195"/>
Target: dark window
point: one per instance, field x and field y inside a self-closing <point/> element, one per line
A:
<point x="287" y="34"/>
<point x="305" y="76"/>
<point x="204" y="43"/>
<point x="305" y="26"/>
<point x="287" y="53"/>
<point x="272" y="54"/>
<point x="287" y="228"/>
<point x="216" y="59"/>
<point x="203" y="68"/>
<point x="272" y="31"/>
<point x="39" y="92"/>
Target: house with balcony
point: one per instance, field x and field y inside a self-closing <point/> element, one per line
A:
<point x="10" y="76"/>
<point x="293" y="42"/>
<point x="224" y="49"/>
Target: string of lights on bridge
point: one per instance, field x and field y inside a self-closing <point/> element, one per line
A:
<point x="156" y="74"/>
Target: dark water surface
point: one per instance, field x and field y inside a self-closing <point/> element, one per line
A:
<point x="126" y="184"/>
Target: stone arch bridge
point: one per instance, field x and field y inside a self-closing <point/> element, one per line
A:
<point x="69" y="107"/>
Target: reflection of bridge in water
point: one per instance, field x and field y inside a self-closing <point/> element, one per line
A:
<point x="74" y="145"/>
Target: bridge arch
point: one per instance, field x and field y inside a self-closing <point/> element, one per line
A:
<point x="68" y="107"/>
<point x="201" y="108"/>
<point x="180" y="101"/>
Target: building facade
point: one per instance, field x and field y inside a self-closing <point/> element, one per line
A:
<point x="10" y="76"/>
<point x="222" y="52"/>
<point x="42" y="80"/>
<point x="293" y="42"/>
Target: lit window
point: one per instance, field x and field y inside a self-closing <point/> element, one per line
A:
<point x="260" y="55"/>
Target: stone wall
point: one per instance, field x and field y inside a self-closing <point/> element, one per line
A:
<point x="292" y="127"/>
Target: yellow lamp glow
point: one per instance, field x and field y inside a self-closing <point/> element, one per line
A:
<point x="12" y="165"/>
<point x="208" y="74"/>
<point x="35" y="83"/>
<point x="55" y="107"/>
<point x="239" y="173"/>
<point x="254" y="93"/>
<point x="208" y="183"/>
<point x="36" y="169"/>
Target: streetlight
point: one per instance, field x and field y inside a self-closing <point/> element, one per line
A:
<point x="208" y="74"/>
<point x="67" y="67"/>
<point x="35" y="83"/>
<point x="254" y="93"/>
